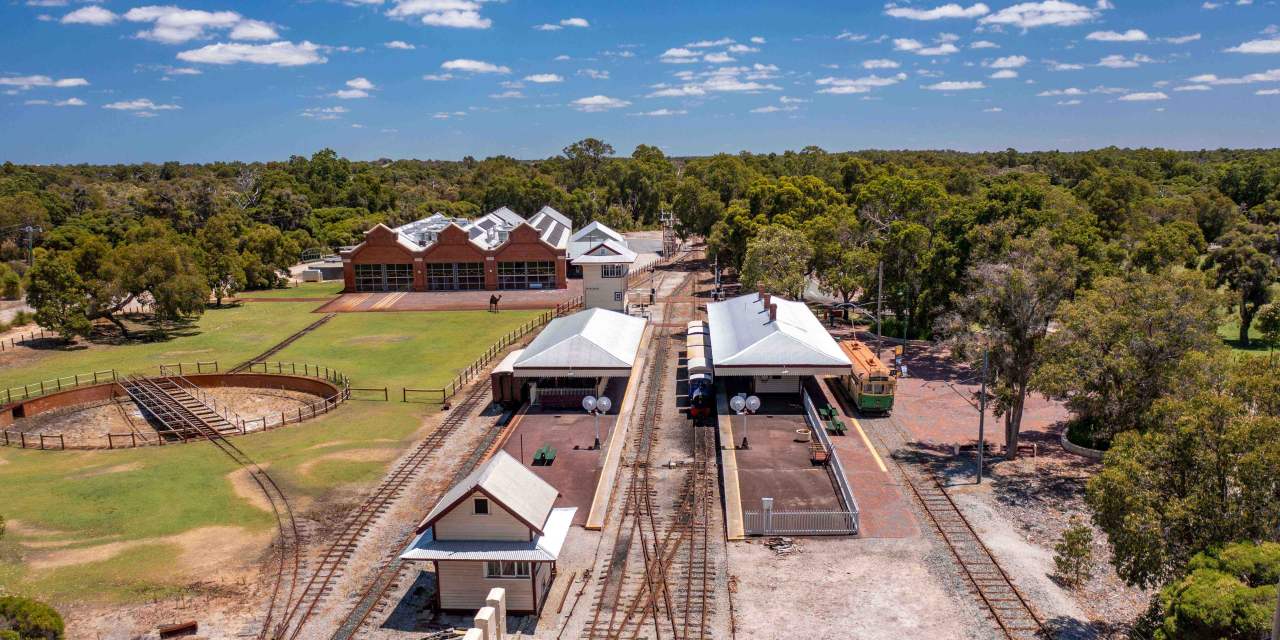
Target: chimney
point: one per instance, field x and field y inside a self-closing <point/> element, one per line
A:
<point x="766" y="297"/>
<point x="773" y="312"/>
<point x="760" y="289"/>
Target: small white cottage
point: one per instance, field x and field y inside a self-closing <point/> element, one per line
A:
<point x="496" y="528"/>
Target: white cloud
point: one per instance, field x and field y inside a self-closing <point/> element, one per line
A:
<point x="1004" y="74"/>
<point x="94" y="15"/>
<point x="596" y="103"/>
<point x="182" y="71"/>
<point x="773" y="109"/>
<point x="1193" y="87"/>
<point x="993" y="110"/>
<point x="950" y="10"/>
<point x="361" y="83"/>
<point x="1272" y="75"/>
<point x="399" y="44"/>
<point x="1132" y="35"/>
<point x="717" y="58"/>
<point x="437" y="77"/>
<point x="575" y="22"/>
<point x="1257" y="46"/>
<point x="1116" y="61"/>
<point x="350" y="94"/>
<point x="140" y="104"/>
<point x="1055" y="13"/>
<point x="29" y="82"/>
<point x="547" y="26"/>
<point x="283" y="53"/>
<point x="1181" y="39"/>
<point x="473" y="66"/>
<point x="952" y="85"/>
<point x="679" y="55"/>
<point x="851" y="37"/>
<point x="175" y="25"/>
<point x="737" y="79"/>
<point x="846" y="86"/>
<point x="594" y="74"/>
<point x="660" y="113"/>
<point x="983" y="44"/>
<point x="1267" y="92"/>
<point x="880" y="63"/>
<point x="544" y="78"/>
<point x="1070" y="91"/>
<point x="507" y="95"/>
<point x="757" y="40"/>
<point x="1144" y="96"/>
<point x="458" y="14"/>
<point x="1008" y="62"/>
<point x="69" y="102"/>
<point x="253" y="30"/>
<point x="704" y="44"/>
<point x="1069" y="103"/>
<point x="790" y="100"/>
<point x="324" y="113"/>
<point x="914" y="46"/>
<point x="742" y="48"/>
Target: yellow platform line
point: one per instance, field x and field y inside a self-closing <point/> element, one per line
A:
<point x="866" y="441"/>
<point x="735" y="529"/>
<point x="618" y="439"/>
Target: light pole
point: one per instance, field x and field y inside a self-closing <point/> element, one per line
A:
<point x="31" y="230"/>
<point x="596" y="406"/>
<point x="744" y="405"/>
<point x="879" y="297"/>
<point x="982" y="412"/>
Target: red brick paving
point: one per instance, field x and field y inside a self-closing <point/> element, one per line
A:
<point x="778" y="467"/>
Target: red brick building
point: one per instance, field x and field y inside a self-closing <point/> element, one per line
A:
<point x="500" y="250"/>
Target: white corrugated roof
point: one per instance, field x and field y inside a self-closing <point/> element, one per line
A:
<point x="590" y="236"/>
<point x="508" y="482"/>
<point x="543" y="548"/>
<point x="590" y="339"/>
<point x="742" y="335"/>
<point x="609" y="252"/>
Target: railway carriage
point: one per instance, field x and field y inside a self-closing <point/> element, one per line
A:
<point x="702" y="396"/>
<point x="869" y="382"/>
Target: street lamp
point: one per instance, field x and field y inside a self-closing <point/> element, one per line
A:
<point x="596" y="406"/>
<point x="982" y="411"/>
<point x="744" y="405"/>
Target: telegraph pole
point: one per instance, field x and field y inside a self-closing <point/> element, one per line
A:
<point x="31" y="230"/>
<point x="879" y="297"/>
<point x="982" y="416"/>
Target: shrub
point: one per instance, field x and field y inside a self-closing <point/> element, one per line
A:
<point x="29" y="619"/>
<point x="10" y="283"/>
<point x="1227" y="594"/>
<point x="1073" y="555"/>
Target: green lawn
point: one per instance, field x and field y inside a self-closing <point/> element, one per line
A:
<point x="84" y="499"/>
<point x="1229" y="330"/>
<point x="303" y="290"/>
<point x="228" y="335"/>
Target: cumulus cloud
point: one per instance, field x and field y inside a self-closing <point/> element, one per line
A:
<point x="953" y="85"/>
<point x="1145" y="96"/>
<point x="1070" y="91"/>
<point x="1271" y="45"/>
<point x="1193" y="87"/>
<point x="1272" y="75"/>
<point x="1267" y="92"/>
<point x="757" y="40"/>
<point x="1050" y="13"/>
<point x="1181" y="39"/>
<point x="282" y="54"/>
<point x="773" y="108"/>
<point x="1004" y="74"/>
<point x="140" y="104"/>
<point x="1116" y="61"/>
<point x="175" y="25"/>
<point x="717" y="58"/>
<point x="544" y="78"/>
<point x="1008" y="62"/>
<point x="580" y="23"/>
<point x="594" y="74"/>
<point x="69" y="102"/>
<point x="704" y="44"/>
<point x="846" y="86"/>
<point x="1132" y="35"/>
<point x="473" y="66"/>
<point x="880" y="63"/>
<point x="399" y="44"/>
<point x="735" y="79"/>
<point x="950" y="10"/>
<point x="992" y="110"/>
<point x="457" y="14"/>
<point x="983" y="44"/>
<point x="29" y="82"/>
<point x="324" y="113"/>
<point x="679" y="55"/>
<point x="660" y="113"/>
<point x="437" y="77"/>
<point x="916" y="47"/>
<point x="93" y="15"/>
<point x="596" y="103"/>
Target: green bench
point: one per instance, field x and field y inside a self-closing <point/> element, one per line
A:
<point x="837" y="426"/>
<point x="544" y="456"/>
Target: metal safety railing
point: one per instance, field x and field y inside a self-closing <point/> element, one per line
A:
<point x="799" y="523"/>
<point x="834" y="466"/>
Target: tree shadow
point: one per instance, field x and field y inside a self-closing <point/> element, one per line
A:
<point x="1068" y="628"/>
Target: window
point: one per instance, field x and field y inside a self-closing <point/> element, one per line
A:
<point x="481" y="506"/>
<point x="526" y="275"/>
<point x="455" y="276"/>
<point x="384" y="277"/>
<point x="611" y="271"/>
<point x="508" y="569"/>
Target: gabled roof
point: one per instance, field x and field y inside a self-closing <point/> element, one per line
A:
<point x="544" y="547"/>
<point x="742" y="335"/>
<point x="590" y="339"/>
<point x="598" y="228"/>
<point x="607" y="252"/>
<point x="507" y="482"/>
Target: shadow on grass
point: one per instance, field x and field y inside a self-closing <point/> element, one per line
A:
<point x="143" y="328"/>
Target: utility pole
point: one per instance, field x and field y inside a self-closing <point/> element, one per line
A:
<point x="982" y="413"/>
<point x="879" y="297"/>
<point x="31" y="230"/>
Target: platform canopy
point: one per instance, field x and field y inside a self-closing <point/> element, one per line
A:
<point x="593" y="343"/>
<point x="748" y="341"/>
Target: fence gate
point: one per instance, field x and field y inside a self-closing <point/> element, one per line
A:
<point x="768" y="522"/>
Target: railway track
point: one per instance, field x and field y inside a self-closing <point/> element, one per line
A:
<point x="331" y="562"/>
<point x="658" y="579"/>
<point x="280" y="346"/>
<point x="988" y="582"/>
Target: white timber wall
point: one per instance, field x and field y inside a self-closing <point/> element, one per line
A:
<point x="464" y="586"/>
<point x="601" y="292"/>
<point x="461" y="523"/>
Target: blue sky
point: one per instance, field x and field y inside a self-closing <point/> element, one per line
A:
<point x="201" y="80"/>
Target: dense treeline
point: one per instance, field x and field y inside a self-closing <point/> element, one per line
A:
<point x="1098" y="278"/>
